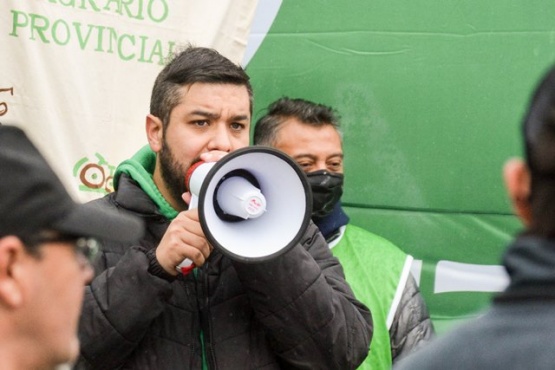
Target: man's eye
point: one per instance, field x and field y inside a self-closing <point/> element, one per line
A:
<point x="334" y="167"/>
<point x="237" y="126"/>
<point x="201" y="123"/>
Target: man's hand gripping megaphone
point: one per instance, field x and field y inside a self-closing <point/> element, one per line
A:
<point x="237" y="198"/>
<point x="184" y="246"/>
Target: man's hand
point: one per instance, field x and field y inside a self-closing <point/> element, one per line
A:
<point x="183" y="239"/>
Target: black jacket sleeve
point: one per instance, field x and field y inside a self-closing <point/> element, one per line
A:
<point x="308" y="309"/>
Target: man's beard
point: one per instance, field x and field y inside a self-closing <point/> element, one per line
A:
<point x="172" y="174"/>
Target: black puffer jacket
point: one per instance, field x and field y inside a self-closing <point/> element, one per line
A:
<point x="295" y="311"/>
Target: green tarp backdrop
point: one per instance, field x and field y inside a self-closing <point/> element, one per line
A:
<point x="431" y="96"/>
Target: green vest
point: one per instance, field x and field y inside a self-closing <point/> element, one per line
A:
<point x="377" y="272"/>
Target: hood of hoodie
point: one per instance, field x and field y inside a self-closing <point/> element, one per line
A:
<point x="140" y="168"/>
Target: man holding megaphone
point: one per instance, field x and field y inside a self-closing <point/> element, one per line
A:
<point x="287" y="307"/>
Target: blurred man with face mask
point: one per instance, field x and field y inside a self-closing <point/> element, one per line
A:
<point x="377" y="270"/>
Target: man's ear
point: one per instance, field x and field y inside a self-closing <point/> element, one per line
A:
<point x="517" y="181"/>
<point x="12" y="252"/>
<point x="154" y="132"/>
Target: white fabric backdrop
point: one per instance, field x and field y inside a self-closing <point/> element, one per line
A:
<point x="77" y="74"/>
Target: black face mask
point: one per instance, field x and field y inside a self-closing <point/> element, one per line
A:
<point x="327" y="189"/>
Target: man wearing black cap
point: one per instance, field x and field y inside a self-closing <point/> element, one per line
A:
<point x="46" y="243"/>
<point x="517" y="331"/>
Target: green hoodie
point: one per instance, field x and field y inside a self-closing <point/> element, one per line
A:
<point x="140" y="168"/>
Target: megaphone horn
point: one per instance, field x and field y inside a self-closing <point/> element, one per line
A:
<point x="254" y="204"/>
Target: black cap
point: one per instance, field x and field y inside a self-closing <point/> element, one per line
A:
<point x="33" y="198"/>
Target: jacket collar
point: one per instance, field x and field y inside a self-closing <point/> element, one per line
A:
<point x="329" y="225"/>
<point x="530" y="263"/>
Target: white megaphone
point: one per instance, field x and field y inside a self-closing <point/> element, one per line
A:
<point x="254" y="204"/>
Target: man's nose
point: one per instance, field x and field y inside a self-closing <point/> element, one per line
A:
<point x="220" y="139"/>
<point x="320" y="165"/>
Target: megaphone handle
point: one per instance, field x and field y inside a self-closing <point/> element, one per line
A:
<point x="187" y="265"/>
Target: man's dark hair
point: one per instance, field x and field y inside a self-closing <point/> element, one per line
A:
<point x="194" y="64"/>
<point x="314" y="114"/>
<point x="539" y="140"/>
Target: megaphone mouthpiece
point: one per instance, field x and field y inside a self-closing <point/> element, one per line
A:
<point x="189" y="174"/>
<point x="238" y="196"/>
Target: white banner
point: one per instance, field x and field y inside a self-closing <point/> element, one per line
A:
<point x="77" y="74"/>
